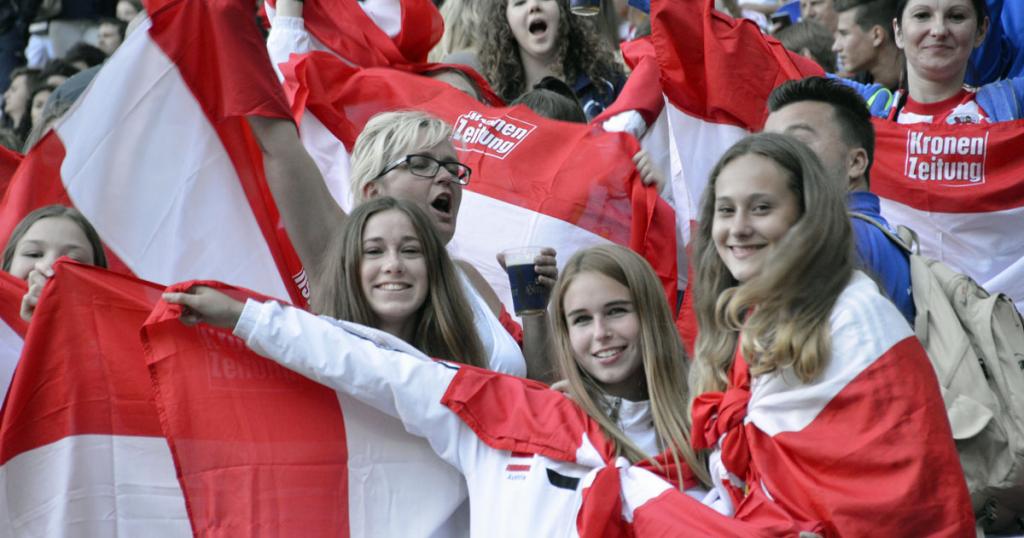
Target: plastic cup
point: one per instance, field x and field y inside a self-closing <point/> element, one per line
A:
<point x="528" y="295"/>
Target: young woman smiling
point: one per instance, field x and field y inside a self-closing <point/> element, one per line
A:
<point x="408" y="155"/>
<point x="614" y="342"/>
<point x="815" y="400"/>
<point x="937" y="38"/>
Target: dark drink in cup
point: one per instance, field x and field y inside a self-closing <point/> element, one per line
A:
<point x="585" y="8"/>
<point x="528" y="295"/>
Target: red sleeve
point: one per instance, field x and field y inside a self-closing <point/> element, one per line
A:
<point x="510" y="325"/>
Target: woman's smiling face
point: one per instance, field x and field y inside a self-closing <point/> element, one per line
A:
<point x="938" y="36"/>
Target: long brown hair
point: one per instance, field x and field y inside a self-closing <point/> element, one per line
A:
<point x="664" y="361"/>
<point x="581" y="51"/>
<point x="444" y="323"/>
<point x="783" y="312"/>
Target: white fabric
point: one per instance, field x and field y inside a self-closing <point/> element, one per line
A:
<point x="93" y="486"/>
<point x="154" y="228"/>
<point x="985" y="245"/>
<point x="10" y="351"/>
<point x="503" y="353"/>
<point x="865" y="324"/>
<point x="506" y="501"/>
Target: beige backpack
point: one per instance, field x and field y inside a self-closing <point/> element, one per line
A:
<point x="975" y="341"/>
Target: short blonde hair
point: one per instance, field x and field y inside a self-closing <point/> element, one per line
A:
<point x="389" y="136"/>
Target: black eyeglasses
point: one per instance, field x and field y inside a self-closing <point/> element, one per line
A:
<point x="427" y="166"/>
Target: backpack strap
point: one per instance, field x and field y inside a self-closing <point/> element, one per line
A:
<point x="906" y="240"/>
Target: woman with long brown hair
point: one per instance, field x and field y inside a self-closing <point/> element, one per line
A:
<point x="818" y="407"/>
<point x="613" y="339"/>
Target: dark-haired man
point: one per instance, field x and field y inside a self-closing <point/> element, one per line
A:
<point x="834" y="122"/>
<point x="864" y="41"/>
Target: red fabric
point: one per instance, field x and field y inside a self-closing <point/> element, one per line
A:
<point x="692" y="39"/>
<point x="348" y="31"/>
<point x="9" y="161"/>
<point x="82" y="369"/>
<point x="487" y="94"/>
<point x="981" y="164"/>
<point x="259" y="449"/>
<point x="851" y="471"/>
<point x="12" y="289"/>
<point x="566" y="171"/>
<point x="641" y="93"/>
<point x="36" y="183"/>
<point x="510" y="325"/>
<point x="224" y="61"/>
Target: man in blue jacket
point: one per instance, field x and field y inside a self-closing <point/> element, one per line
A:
<point x="832" y="120"/>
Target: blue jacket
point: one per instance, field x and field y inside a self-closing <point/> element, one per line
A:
<point x="878" y="255"/>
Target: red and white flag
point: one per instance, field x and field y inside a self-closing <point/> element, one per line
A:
<point x="717" y="73"/>
<point x="12" y="327"/>
<point x="372" y="32"/>
<point x="259" y="449"/>
<point x="863" y="449"/>
<point x="81" y="450"/>
<point x="158" y="156"/>
<point x="961" y="188"/>
<point x="535" y="181"/>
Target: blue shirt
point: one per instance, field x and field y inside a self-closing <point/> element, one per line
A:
<point x="878" y="255"/>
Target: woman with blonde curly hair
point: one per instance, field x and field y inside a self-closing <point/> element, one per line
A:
<point x="819" y="407"/>
<point x="533" y="39"/>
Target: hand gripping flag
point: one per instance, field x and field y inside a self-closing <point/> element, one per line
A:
<point x="158" y="156"/>
<point x="535" y="181"/>
<point x="81" y="451"/>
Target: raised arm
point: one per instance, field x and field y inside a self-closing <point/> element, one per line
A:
<point x="310" y="214"/>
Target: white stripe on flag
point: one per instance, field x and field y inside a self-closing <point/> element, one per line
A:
<point x="73" y="487"/>
<point x="986" y="246"/>
<point x="149" y="171"/>
<point x="330" y="157"/>
<point x="700" y="144"/>
<point x="10" y="351"/>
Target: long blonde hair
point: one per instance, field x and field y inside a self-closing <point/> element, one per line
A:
<point x="782" y="313"/>
<point x="664" y="361"/>
<point x="389" y="136"/>
<point x="444" y="323"/>
<point x="461" y="28"/>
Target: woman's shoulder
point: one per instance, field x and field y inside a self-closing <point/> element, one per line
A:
<point x="864" y="319"/>
<point x="1003" y="100"/>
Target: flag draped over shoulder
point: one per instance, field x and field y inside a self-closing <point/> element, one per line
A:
<point x="961" y="188"/>
<point x="535" y="181"/>
<point x="158" y="156"/>
<point x="259" y="449"/>
<point x="864" y="448"/>
<point x="81" y="449"/>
